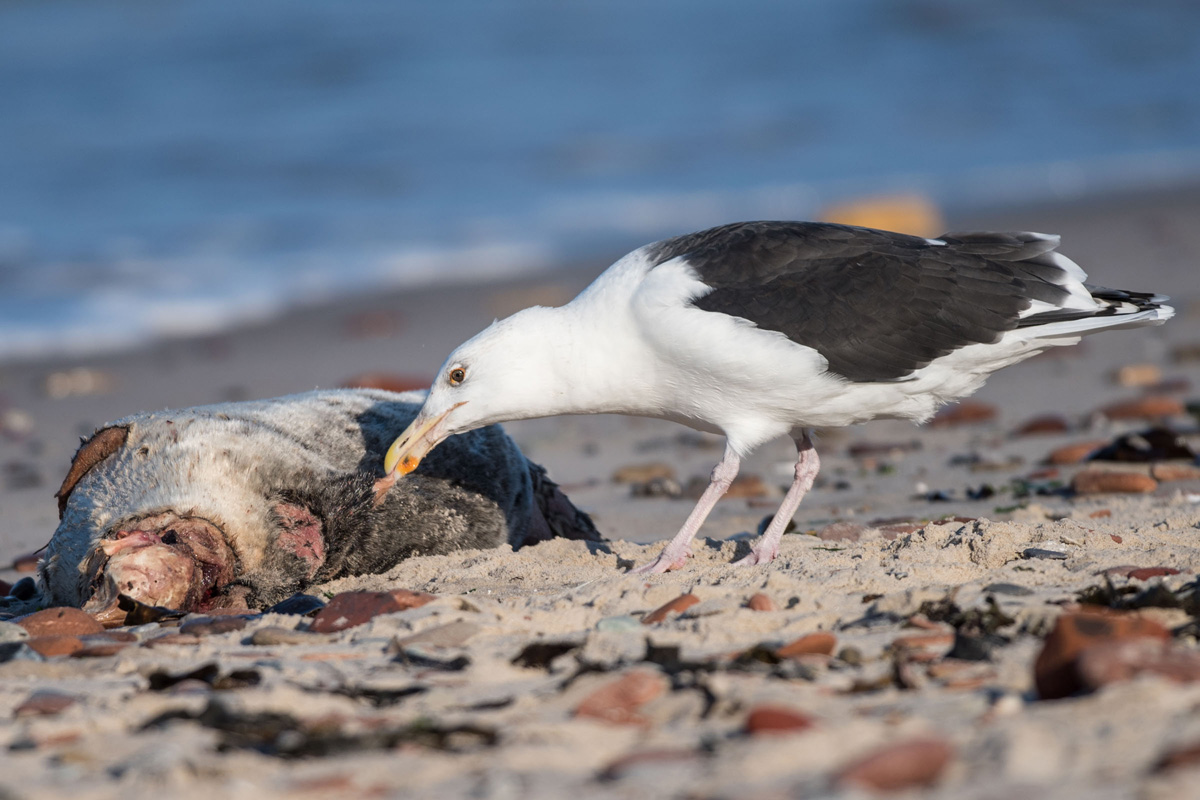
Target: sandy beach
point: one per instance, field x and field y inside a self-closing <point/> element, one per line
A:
<point x="930" y="563"/>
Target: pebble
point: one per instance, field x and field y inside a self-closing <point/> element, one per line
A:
<point x="300" y="604"/>
<point x="51" y="646"/>
<point x="1152" y="444"/>
<point x="18" y="651"/>
<point x="748" y="486"/>
<point x="968" y="412"/>
<point x="841" y="532"/>
<point x="656" y="487"/>
<point x="1146" y="573"/>
<point x="1040" y="552"/>
<point x="350" y="609"/>
<point x="644" y="473"/>
<point x="387" y="381"/>
<point x="1138" y="375"/>
<point x="16" y="423"/>
<point x="775" y="720"/>
<point x="1074" y="453"/>
<point x="211" y="626"/>
<point x="1055" y="669"/>
<point x="1175" y="472"/>
<point x="1104" y="482"/>
<point x="100" y="649"/>
<point x="618" y="701"/>
<point x="908" y="765"/>
<point x="851" y="656"/>
<point x="761" y="602"/>
<point x="1149" y="407"/>
<point x="12" y="632"/>
<point x="676" y="606"/>
<point x="275" y="635"/>
<point x="451" y="634"/>
<point x="27" y="562"/>
<point x="1050" y="423"/>
<point x="44" y="704"/>
<point x="59" y="622"/>
<point x="1102" y="513"/>
<point x="1011" y="589"/>
<point x="820" y="642"/>
<point x="1123" y="659"/>
<point x="621" y="624"/>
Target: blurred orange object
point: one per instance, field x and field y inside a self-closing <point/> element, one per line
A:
<point x="903" y="213"/>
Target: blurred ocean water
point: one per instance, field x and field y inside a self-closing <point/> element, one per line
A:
<point x="176" y="167"/>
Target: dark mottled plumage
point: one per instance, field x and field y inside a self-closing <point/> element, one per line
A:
<point x="876" y="305"/>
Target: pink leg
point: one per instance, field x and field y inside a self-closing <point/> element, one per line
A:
<point x="678" y="549"/>
<point x="807" y="466"/>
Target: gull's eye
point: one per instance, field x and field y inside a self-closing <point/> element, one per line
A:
<point x="457" y="376"/>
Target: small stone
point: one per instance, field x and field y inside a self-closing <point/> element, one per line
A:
<point x="1041" y="552"/>
<point x="1102" y="513"/>
<point x="1104" y="482"/>
<point x="1149" y="407"/>
<point x="299" y="604"/>
<point x="774" y="720"/>
<point x="1116" y="538"/>
<point x="1146" y="573"/>
<point x="916" y="763"/>
<point x="656" y="487"/>
<point x="841" y="532"/>
<point x="1123" y="659"/>
<point x="1146" y="446"/>
<point x="350" y="609"/>
<point x="968" y="412"/>
<point x="1038" y="426"/>
<point x="1074" y="453"/>
<point x="275" y="636"/>
<point x="211" y="626"/>
<point x="1055" y="669"/>
<point x="1011" y="589"/>
<point x="12" y="632"/>
<point x="99" y="650"/>
<point x="676" y="606"/>
<point x="1175" y="472"/>
<point x="644" y="473"/>
<point x="27" y="562"/>
<point x="1138" y="375"/>
<point x="452" y="634"/>
<point x="622" y="624"/>
<point x="172" y="638"/>
<point x="618" y="701"/>
<point x="388" y="382"/>
<point x="851" y="656"/>
<point x="820" y="642"/>
<point x="747" y="486"/>
<point x="761" y="602"/>
<point x="51" y="646"/>
<point x="44" y="704"/>
<point x="59" y="622"/>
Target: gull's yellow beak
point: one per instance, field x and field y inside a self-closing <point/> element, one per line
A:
<point x="418" y="439"/>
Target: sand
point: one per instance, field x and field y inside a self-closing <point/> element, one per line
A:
<point x="486" y="701"/>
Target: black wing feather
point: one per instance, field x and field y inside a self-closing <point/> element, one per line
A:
<point x="876" y="305"/>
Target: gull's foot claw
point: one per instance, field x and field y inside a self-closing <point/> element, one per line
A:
<point x="664" y="563"/>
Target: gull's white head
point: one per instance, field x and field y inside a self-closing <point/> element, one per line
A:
<point x="514" y="369"/>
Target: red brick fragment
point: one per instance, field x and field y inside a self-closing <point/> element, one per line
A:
<point x="761" y="602"/>
<point x="618" y="701"/>
<point x="676" y="606"/>
<point x="44" y="704"/>
<point x="51" y="646"/>
<point x="59" y="622"/>
<point x="1074" y="453"/>
<point x="774" y="720"/>
<point x="907" y="765"/>
<point x="350" y="609"/>
<point x="968" y="412"/>
<point x="1175" y="472"/>
<point x="1104" y="482"/>
<point x="1049" y="423"/>
<point x="1148" y="407"/>
<point x="1056" y="671"/>
<point x="819" y="643"/>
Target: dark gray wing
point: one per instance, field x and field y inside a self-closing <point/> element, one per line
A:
<point x="876" y="305"/>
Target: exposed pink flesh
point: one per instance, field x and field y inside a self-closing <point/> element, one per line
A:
<point x="167" y="560"/>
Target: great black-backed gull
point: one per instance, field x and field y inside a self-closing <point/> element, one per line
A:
<point x="764" y="329"/>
